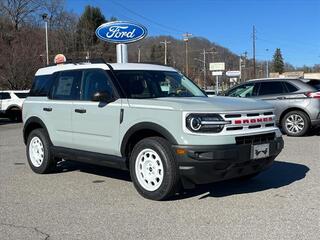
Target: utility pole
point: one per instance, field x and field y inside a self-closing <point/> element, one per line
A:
<point x="205" y="66"/>
<point x="254" y="50"/>
<point x="165" y="50"/>
<point x="186" y="37"/>
<point x="267" y="65"/>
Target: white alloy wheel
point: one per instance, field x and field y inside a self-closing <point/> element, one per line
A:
<point x="294" y="123"/>
<point x="149" y="169"/>
<point x="36" y="151"/>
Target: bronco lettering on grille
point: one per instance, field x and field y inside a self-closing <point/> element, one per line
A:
<point x="253" y="120"/>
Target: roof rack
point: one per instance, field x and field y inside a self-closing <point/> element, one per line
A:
<point x="81" y="61"/>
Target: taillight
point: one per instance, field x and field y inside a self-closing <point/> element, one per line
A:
<point x="313" y="94"/>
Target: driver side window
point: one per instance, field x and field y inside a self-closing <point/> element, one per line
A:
<point x="95" y="81"/>
<point x="245" y="90"/>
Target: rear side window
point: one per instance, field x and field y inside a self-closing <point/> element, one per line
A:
<point x="41" y="86"/>
<point x="67" y="86"/>
<point x="5" y="95"/>
<point x="21" y="95"/>
<point x="291" y="88"/>
<point x="268" y="88"/>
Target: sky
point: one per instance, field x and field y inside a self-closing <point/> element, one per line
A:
<point x="291" y="25"/>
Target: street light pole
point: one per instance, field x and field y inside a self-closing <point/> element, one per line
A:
<point x="139" y="54"/>
<point x="45" y="19"/>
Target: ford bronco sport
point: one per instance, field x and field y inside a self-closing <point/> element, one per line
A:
<point x="149" y="119"/>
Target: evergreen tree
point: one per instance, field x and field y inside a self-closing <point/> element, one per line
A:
<point x="278" y="64"/>
<point x="89" y="21"/>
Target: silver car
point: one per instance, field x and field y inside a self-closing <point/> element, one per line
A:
<point x="296" y="101"/>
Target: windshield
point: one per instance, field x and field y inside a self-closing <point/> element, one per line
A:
<point x="155" y="84"/>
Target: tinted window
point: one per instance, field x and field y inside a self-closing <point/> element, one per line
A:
<point x="95" y="81"/>
<point x="245" y="90"/>
<point x="67" y="86"/>
<point x="156" y="84"/>
<point x="291" y="88"/>
<point x="41" y="85"/>
<point x="314" y="83"/>
<point x="21" y="95"/>
<point x="5" y="95"/>
<point x="267" y="88"/>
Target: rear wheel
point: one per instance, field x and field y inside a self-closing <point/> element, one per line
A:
<point x="39" y="156"/>
<point x="15" y="114"/>
<point x="295" y="123"/>
<point x="153" y="169"/>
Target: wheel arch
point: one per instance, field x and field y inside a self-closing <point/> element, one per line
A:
<point x="142" y="130"/>
<point x="290" y="110"/>
<point x="31" y="124"/>
<point x="10" y="107"/>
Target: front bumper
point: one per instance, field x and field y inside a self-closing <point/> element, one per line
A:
<point x="206" y="164"/>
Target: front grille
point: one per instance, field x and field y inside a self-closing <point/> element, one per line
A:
<point x="256" y="139"/>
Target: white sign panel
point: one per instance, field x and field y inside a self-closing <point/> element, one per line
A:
<point x="219" y="66"/>
<point x="233" y="73"/>
<point x="217" y="73"/>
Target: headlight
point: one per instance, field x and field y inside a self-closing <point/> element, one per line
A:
<point x="205" y="122"/>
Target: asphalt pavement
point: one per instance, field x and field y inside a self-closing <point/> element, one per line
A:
<point x="82" y="201"/>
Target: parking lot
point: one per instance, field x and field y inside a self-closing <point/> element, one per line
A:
<point x="89" y="202"/>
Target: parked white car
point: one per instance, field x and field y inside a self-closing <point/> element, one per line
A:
<point x="11" y="103"/>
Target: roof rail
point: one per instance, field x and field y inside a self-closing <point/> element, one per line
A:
<point x="81" y="61"/>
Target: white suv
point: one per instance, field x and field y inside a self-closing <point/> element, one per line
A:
<point x="11" y="103"/>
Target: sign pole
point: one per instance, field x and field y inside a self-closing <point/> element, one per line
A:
<point x="217" y="85"/>
<point x="122" y="53"/>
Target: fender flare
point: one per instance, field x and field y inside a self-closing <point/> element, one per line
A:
<point x="33" y="120"/>
<point x="146" y="126"/>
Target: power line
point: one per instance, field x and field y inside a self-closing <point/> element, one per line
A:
<point x="146" y="18"/>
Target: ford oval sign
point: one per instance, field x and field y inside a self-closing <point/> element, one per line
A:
<point x="121" y="32"/>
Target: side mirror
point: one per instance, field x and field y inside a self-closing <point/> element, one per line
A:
<point x="102" y="97"/>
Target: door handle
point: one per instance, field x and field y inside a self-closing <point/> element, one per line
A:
<point x="80" y="110"/>
<point x="47" y="109"/>
<point x="281" y="98"/>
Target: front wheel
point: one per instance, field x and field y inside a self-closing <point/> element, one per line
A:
<point x="295" y="123"/>
<point x="153" y="168"/>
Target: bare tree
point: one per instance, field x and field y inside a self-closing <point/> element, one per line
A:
<point x="19" y="10"/>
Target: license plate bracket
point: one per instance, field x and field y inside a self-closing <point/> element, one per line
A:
<point x="260" y="151"/>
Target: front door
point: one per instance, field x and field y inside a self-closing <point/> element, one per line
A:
<point x="96" y="124"/>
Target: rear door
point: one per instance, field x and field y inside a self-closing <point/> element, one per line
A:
<point x="57" y="110"/>
<point x="5" y="101"/>
<point x="96" y="124"/>
<point x="275" y="93"/>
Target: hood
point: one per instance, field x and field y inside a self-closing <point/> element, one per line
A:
<point x="218" y="104"/>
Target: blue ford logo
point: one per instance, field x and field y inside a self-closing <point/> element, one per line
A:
<point x="121" y="32"/>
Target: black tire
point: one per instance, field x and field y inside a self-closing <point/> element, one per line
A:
<point x="170" y="179"/>
<point x="49" y="163"/>
<point x="15" y="115"/>
<point x="301" y="115"/>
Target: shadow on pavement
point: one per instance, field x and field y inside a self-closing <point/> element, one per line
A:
<point x="279" y="175"/>
<point x="69" y="166"/>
